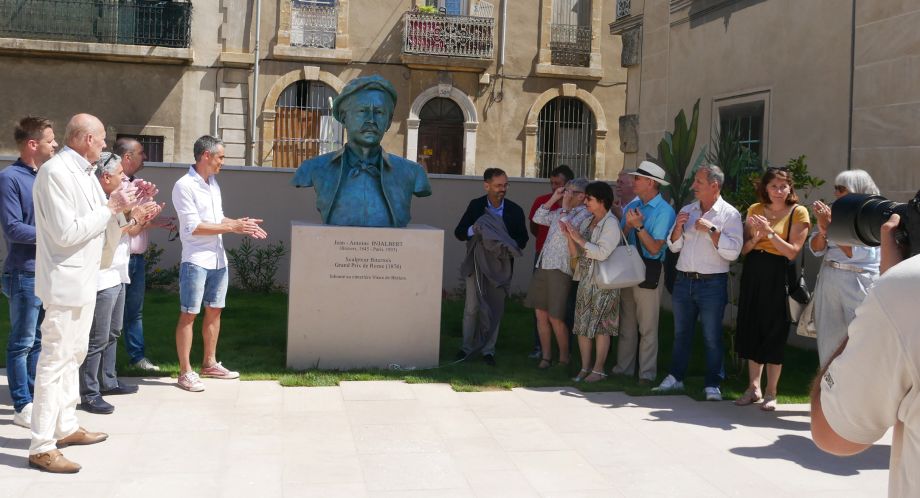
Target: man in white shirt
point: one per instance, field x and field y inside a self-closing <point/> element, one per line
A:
<point x="73" y="223"/>
<point x="203" y="272"/>
<point x="97" y="373"/>
<point x="870" y="383"/>
<point x="708" y="235"/>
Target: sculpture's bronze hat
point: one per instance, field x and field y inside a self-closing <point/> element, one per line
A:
<point x="372" y="82"/>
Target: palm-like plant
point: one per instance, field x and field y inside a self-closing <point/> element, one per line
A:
<point x="675" y="151"/>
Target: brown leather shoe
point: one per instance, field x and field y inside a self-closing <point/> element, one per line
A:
<point x="53" y="461"/>
<point x="82" y="436"/>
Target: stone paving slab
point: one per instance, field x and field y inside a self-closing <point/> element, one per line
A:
<point x="392" y="439"/>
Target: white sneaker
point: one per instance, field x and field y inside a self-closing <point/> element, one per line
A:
<point x="713" y="394"/>
<point x="145" y="364"/>
<point x="191" y="382"/>
<point x="23" y="418"/>
<point x="669" y="384"/>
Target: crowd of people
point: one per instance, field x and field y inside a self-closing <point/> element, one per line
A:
<point x="79" y="218"/>
<point x="579" y="223"/>
<point x="75" y="222"/>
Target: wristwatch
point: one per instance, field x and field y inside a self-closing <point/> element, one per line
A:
<point x="713" y="229"/>
<point x="640" y="228"/>
<point x="771" y="235"/>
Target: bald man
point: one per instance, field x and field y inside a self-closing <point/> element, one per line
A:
<point x="73" y="222"/>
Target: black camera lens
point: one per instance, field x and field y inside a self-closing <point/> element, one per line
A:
<point x="856" y="219"/>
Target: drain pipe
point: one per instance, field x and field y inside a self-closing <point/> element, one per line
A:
<point x="255" y="84"/>
<point x="501" y="53"/>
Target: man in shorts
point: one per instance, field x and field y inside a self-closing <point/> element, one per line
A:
<point x="203" y="272"/>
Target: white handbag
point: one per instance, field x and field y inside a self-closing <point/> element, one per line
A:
<point x="623" y="268"/>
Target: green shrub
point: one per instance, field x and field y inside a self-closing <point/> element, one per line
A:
<point x="254" y="268"/>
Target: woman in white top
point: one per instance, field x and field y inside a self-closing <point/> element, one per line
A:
<point x="847" y="271"/>
<point x="549" y="287"/>
<point x="597" y="311"/>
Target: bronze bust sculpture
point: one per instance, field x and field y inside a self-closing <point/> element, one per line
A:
<point x="360" y="184"/>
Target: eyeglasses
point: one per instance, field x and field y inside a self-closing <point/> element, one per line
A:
<point x="108" y="160"/>
<point x="839" y="189"/>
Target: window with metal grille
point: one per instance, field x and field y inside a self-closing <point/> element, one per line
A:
<point x="747" y="122"/>
<point x="304" y="126"/>
<point x="570" y="33"/>
<point x="153" y="145"/>
<point x="314" y="23"/>
<point x="565" y="135"/>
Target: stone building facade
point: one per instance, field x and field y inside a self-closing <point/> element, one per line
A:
<point x="833" y="80"/>
<point x="520" y="85"/>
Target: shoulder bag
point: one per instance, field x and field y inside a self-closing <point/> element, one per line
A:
<point x="622" y="268"/>
<point x="798" y="295"/>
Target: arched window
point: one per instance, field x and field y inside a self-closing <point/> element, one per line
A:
<point x="565" y="135"/>
<point x="304" y="126"/>
<point x="440" y="137"/>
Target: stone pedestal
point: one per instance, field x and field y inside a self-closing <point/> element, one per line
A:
<point x="364" y="297"/>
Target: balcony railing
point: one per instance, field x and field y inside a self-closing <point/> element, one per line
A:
<point x="570" y="45"/>
<point x="622" y="8"/>
<point x="127" y="22"/>
<point x="450" y="36"/>
<point x="314" y="24"/>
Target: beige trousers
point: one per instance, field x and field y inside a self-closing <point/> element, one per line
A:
<point x="639" y="331"/>
<point x="65" y="339"/>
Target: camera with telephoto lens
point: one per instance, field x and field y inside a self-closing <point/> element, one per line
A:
<point x="856" y="220"/>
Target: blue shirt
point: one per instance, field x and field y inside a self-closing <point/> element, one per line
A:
<point x="659" y="217"/>
<point x="17" y="216"/>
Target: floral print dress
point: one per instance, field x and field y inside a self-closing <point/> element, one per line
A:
<point x="597" y="311"/>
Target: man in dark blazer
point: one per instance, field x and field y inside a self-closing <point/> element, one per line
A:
<point x="479" y="290"/>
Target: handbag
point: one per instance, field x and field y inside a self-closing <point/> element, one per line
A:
<point x="806" y="326"/>
<point x="622" y="268"/>
<point x="652" y="273"/>
<point x="797" y="293"/>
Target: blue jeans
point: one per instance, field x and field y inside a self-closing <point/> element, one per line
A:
<point x="25" y="343"/>
<point x="134" y="308"/>
<point x="706" y="299"/>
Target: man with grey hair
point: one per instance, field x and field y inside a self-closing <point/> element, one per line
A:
<point x="708" y="235"/>
<point x="132" y="161"/>
<point x="74" y="223"/>
<point x="97" y="373"/>
<point x="203" y="272"/>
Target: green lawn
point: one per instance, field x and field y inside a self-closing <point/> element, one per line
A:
<point x="254" y="330"/>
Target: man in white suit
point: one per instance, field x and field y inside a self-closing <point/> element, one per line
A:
<point x="73" y="221"/>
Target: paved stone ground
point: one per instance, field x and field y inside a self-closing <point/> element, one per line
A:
<point x="391" y="439"/>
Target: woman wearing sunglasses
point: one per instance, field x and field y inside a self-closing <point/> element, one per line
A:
<point x="847" y="271"/>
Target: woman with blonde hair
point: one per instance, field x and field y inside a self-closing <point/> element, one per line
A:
<point x="774" y="233"/>
<point x="846" y="273"/>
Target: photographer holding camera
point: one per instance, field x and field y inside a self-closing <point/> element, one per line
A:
<point x="871" y="382"/>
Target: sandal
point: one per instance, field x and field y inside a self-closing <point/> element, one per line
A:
<point x="752" y="395"/>
<point x="769" y="403"/>
<point x="601" y="376"/>
<point x="545" y="363"/>
<point x="581" y="375"/>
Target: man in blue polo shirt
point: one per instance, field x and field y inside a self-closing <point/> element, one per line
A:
<point x="646" y="222"/>
<point x="35" y="140"/>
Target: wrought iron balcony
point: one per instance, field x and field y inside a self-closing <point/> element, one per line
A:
<point x="623" y="8"/>
<point x="570" y="45"/>
<point x="314" y="23"/>
<point x="449" y="36"/>
<point x="128" y="22"/>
